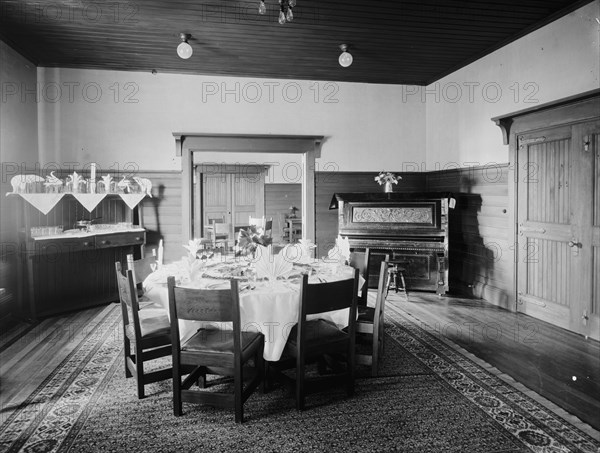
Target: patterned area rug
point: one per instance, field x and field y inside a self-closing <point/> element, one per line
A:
<point x="429" y="398"/>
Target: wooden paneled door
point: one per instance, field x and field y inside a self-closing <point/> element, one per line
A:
<point x="233" y="197"/>
<point x="558" y="255"/>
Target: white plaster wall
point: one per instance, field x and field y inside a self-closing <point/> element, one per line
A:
<point x="116" y="118"/>
<point x="18" y="112"/>
<point x="559" y="60"/>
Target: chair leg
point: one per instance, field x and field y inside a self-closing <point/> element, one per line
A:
<point x="201" y="382"/>
<point x="375" y="356"/>
<point x="177" y="406"/>
<point x="300" y="387"/>
<point x="261" y="369"/>
<point x="127" y="354"/>
<point x="139" y="371"/>
<point x="239" y="387"/>
<point x="350" y="365"/>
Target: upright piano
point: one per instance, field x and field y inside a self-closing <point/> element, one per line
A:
<point x="410" y="227"/>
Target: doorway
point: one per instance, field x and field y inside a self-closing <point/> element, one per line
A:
<point x="307" y="146"/>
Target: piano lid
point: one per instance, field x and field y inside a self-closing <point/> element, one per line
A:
<point x="383" y="197"/>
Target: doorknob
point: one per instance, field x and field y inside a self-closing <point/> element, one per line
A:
<point x="575" y="246"/>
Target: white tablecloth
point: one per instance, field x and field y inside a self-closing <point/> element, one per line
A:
<point x="271" y="307"/>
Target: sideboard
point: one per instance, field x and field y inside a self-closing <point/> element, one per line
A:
<point x="74" y="269"/>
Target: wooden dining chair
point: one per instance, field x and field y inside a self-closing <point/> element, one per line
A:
<point x="269" y="228"/>
<point x="311" y="340"/>
<point x="370" y="323"/>
<point x="258" y="222"/>
<point x="221" y="236"/>
<point x="149" y="331"/>
<point x="213" y="351"/>
<point x="141" y="269"/>
<point x="361" y="261"/>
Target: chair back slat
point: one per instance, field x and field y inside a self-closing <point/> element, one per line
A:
<point x="128" y="297"/>
<point x="203" y="304"/>
<point x="382" y="287"/>
<point x="258" y="222"/>
<point x="141" y="268"/>
<point x="222" y="230"/>
<point x="361" y="261"/>
<point x="324" y="297"/>
<point x="269" y="227"/>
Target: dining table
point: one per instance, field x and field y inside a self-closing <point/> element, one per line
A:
<point x="267" y="306"/>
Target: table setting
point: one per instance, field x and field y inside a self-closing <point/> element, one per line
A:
<point x="269" y="285"/>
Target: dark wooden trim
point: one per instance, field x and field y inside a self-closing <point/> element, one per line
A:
<point x="505" y="122"/>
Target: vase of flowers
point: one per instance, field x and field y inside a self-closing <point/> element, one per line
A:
<point x="386" y="179"/>
<point x="250" y="238"/>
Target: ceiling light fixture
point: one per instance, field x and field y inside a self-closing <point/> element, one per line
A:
<point x="184" y="50"/>
<point x="345" y="57"/>
<point x="285" y="10"/>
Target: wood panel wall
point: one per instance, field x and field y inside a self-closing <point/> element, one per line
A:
<point x="479" y="265"/>
<point x="8" y="259"/>
<point x="162" y="213"/>
<point x="481" y="262"/>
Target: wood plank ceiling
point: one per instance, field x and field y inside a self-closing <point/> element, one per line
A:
<point x="401" y="42"/>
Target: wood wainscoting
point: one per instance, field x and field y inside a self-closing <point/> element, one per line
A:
<point x="481" y="263"/>
<point x="162" y="213"/>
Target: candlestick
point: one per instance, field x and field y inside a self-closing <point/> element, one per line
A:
<point x="93" y="172"/>
<point x="160" y="253"/>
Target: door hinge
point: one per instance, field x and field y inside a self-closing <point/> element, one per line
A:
<point x="586" y="143"/>
<point x="585" y="317"/>
<point x="528" y="141"/>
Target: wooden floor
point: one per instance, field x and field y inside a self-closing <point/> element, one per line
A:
<point x="559" y="365"/>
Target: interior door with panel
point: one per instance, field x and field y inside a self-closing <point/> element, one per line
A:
<point x="555" y="267"/>
<point x="216" y="199"/>
<point x="248" y="196"/>
<point x="586" y="240"/>
<point x="234" y="196"/>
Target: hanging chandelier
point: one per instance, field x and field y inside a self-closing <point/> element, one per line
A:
<point x="285" y="10"/>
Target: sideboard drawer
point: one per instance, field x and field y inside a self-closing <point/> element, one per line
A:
<point x="64" y="245"/>
<point x="120" y="239"/>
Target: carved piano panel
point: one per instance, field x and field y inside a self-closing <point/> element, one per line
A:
<point x="410" y="227"/>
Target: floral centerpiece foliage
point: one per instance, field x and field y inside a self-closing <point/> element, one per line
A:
<point x="386" y="177"/>
<point x="250" y="238"/>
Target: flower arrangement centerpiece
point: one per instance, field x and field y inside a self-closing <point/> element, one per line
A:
<point x="387" y="178"/>
<point x="250" y="238"/>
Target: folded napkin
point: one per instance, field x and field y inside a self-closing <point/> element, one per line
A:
<point x="192" y="267"/>
<point x="341" y="251"/>
<point x="194" y="246"/>
<point x="271" y="266"/>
